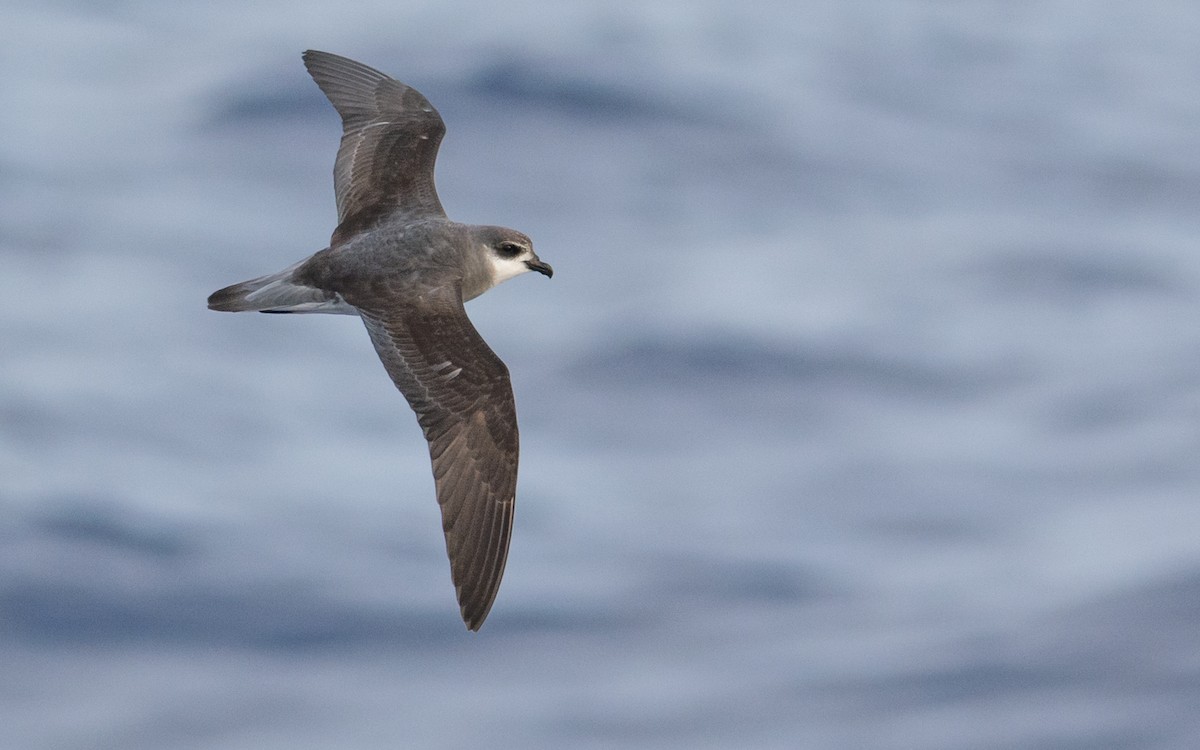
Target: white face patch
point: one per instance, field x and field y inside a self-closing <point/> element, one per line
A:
<point x="504" y="269"/>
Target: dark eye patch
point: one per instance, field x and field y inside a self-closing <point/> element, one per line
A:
<point x="509" y="250"/>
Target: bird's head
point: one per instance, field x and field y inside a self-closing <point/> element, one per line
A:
<point x="511" y="254"/>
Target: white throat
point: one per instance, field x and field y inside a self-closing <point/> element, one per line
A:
<point x="504" y="269"/>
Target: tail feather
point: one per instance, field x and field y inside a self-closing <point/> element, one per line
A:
<point x="277" y="293"/>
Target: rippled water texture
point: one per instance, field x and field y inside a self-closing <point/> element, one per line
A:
<point x="863" y="409"/>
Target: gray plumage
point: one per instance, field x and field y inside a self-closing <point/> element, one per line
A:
<point x="398" y="263"/>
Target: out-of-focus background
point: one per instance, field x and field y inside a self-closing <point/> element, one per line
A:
<point x="863" y="410"/>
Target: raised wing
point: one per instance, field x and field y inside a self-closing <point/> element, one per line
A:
<point x="390" y="138"/>
<point x="463" y="398"/>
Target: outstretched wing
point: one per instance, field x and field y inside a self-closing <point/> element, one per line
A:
<point x="463" y="398"/>
<point x="390" y="138"/>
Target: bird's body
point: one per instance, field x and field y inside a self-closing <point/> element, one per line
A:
<point x="397" y="262"/>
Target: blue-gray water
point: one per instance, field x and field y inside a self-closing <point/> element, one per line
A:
<point x="863" y="410"/>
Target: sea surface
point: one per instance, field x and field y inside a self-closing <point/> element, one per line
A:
<point x="862" y="411"/>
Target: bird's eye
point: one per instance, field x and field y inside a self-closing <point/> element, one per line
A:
<point x="509" y="250"/>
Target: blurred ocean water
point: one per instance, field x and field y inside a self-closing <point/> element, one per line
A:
<point x="863" y="410"/>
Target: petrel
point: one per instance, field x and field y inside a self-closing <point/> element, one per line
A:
<point x="398" y="263"/>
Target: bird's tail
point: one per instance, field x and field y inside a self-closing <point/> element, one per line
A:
<point x="277" y="293"/>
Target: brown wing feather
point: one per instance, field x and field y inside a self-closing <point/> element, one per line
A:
<point x="390" y="138"/>
<point x="463" y="398"/>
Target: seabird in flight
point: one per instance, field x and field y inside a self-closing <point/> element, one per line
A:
<point x="398" y="263"/>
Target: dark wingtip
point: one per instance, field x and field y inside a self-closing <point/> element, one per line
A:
<point x="473" y="618"/>
<point x="310" y="56"/>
